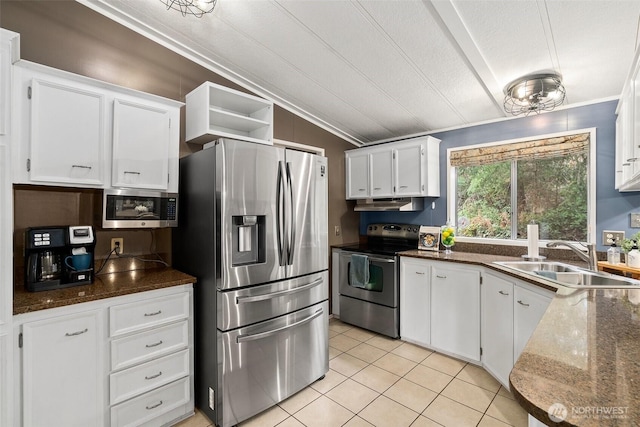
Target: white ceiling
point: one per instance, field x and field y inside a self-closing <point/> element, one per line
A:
<point x="377" y="70"/>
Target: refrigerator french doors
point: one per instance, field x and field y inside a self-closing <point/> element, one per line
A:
<point x="273" y="213"/>
<point x="253" y="230"/>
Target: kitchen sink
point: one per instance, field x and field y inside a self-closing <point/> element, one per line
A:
<point x="570" y="275"/>
<point x="534" y="266"/>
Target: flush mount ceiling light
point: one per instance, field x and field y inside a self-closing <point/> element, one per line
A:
<point x="196" y="8"/>
<point x="534" y="93"/>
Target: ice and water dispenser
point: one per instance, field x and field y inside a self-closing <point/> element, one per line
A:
<point x="248" y="239"/>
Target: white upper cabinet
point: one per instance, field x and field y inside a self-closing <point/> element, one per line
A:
<point x="215" y="111"/>
<point x="67" y="133"/>
<point x="79" y="132"/>
<point x="627" y="167"/>
<point x="381" y="173"/>
<point x="141" y="145"/>
<point x="357" y="179"/>
<point x="397" y="169"/>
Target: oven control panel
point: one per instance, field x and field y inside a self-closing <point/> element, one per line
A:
<point x="400" y="231"/>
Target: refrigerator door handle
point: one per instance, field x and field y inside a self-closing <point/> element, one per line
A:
<point x="280" y="219"/>
<point x="292" y="236"/>
<point x="266" y="334"/>
<point x="271" y="295"/>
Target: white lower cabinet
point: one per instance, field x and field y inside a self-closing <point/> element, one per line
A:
<point x="469" y="312"/>
<point x="511" y="311"/>
<point x="497" y="326"/>
<point x="123" y="361"/>
<point x="529" y="307"/>
<point x="415" y="298"/>
<point x="455" y="310"/>
<point x="63" y="371"/>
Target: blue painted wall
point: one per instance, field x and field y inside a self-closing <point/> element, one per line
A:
<point x="612" y="207"/>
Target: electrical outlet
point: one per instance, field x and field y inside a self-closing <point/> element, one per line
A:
<point x="117" y="242"/>
<point x="337" y="230"/>
<point x="610" y="237"/>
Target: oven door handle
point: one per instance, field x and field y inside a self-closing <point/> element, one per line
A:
<point x="255" y="298"/>
<point x="261" y="335"/>
<point x="387" y="260"/>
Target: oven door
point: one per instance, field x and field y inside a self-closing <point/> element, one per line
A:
<point x="382" y="279"/>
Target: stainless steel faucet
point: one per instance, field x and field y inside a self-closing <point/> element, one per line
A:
<point x="591" y="258"/>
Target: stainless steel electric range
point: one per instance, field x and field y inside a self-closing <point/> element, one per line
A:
<point x="375" y="306"/>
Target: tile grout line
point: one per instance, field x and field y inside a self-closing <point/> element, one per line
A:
<point x="484" y="413"/>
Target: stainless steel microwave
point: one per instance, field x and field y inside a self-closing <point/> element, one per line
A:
<point x="139" y="209"/>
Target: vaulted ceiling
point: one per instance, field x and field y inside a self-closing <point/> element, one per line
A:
<point x="373" y="70"/>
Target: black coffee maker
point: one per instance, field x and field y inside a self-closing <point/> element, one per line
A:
<point x="58" y="257"/>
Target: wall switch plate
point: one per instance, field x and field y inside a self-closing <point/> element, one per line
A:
<point x="610" y="237"/>
<point x="634" y="220"/>
<point x="337" y="230"/>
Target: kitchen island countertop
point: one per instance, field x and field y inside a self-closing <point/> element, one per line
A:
<point x="105" y="286"/>
<point x="582" y="362"/>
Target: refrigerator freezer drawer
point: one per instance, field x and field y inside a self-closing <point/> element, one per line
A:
<point x="265" y="363"/>
<point x="246" y="306"/>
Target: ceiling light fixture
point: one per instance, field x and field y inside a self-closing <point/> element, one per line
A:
<point x="196" y="8"/>
<point x="534" y="93"/>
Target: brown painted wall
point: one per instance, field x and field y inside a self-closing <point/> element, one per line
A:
<point x="68" y="36"/>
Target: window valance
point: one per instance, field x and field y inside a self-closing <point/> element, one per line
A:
<point x="531" y="149"/>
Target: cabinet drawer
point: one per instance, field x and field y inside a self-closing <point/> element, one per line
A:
<point x="151" y="405"/>
<point x="138" y="315"/>
<point x="142" y="378"/>
<point x="147" y="345"/>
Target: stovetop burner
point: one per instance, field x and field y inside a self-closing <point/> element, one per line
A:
<point x="388" y="239"/>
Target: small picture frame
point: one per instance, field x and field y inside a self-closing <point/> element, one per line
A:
<point x="429" y="238"/>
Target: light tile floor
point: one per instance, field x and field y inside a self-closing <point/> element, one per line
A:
<point x="376" y="381"/>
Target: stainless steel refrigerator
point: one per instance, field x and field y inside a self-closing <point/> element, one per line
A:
<point x="253" y="230"/>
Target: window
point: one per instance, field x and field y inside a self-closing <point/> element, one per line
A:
<point x="500" y="188"/>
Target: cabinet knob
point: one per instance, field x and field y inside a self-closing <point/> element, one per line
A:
<point x="441" y="277"/>
<point x="81" y="166"/>
<point x="154" y="344"/>
<point x="521" y="303"/>
<point x="420" y="273"/>
<point x="132" y="172"/>
<point x="503" y="293"/>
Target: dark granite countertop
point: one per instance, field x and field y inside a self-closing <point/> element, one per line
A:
<point x="583" y="360"/>
<point x="104" y="286"/>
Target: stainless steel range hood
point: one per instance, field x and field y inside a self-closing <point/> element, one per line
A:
<point x="403" y="204"/>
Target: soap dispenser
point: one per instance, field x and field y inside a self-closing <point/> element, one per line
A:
<point x="613" y="254"/>
<point x="634" y="256"/>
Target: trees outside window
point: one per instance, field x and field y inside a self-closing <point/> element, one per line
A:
<point x="497" y="195"/>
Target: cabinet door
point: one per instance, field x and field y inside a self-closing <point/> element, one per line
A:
<point x="409" y="170"/>
<point x="415" y="301"/>
<point x="497" y="327"/>
<point x="529" y="307"/>
<point x="357" y="175"/>
<point x="382" y="173"/>
<point x="455" y="311"/>
<point x="67" y="134"/>
<point x="141" y="138"/>
<point x="62" y="371"/>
